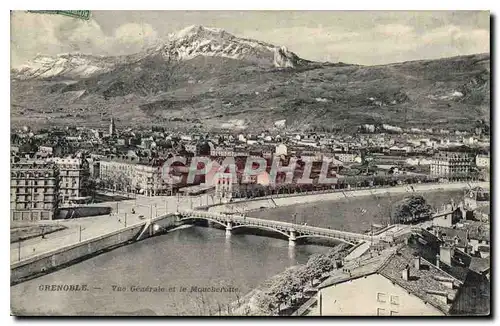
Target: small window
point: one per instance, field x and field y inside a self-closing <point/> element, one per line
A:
<point x="394" y="300"/>
<point x="381" y="297"/>
<point x="394" y="313"/>
<point x="381" y="312"/>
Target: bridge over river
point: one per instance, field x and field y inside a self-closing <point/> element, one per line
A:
<point x="290" y="230"/>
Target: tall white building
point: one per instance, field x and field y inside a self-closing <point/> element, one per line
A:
<point x="483" y="161"/>
<point x="451" y="163"/>
<point x="74" y="176"/>
<point x="281" y="149"/>
<point x="112" y="128"/>
<point x="223" y="186"/>
<point x="34" y="188"/>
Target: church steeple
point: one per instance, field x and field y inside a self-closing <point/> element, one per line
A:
<point x="112" y="127"/>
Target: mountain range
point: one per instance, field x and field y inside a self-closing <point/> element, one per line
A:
<point x="209" y="79"/>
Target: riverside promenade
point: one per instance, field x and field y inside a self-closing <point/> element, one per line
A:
<point x="82" y="229"/>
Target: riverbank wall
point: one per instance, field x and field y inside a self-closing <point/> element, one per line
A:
<point x="83" y="211"/>
<point x="68" y="255"/>
<point x="281" y="200"/>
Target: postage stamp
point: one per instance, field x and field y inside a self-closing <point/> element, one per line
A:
<point x="82" y="14"/>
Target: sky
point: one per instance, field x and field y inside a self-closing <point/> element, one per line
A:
<point x="362" y="37"/>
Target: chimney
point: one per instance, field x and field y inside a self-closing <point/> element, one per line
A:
<point x="405" y="274"/>
<point x="439" y="295"/>
<point x="445" y="253"/>
<point x="416" y="261"/>
<point x="446" y="282"/>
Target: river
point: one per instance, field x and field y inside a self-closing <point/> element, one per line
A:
<point x="351" y="214"/>
<point x="194" y="256"/>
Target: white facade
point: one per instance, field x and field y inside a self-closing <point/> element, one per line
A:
<point x="74" y="176"/>
<point x="447" y="164"/>
<point x="348" y="157"/>
<point x="130" y="176"/>
<point x="373" y="295"/>
<point x="483" y="161"/>
<point x="281" y="149"/>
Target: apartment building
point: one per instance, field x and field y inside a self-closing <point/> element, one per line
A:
<point x="133" y="175"/>
<point x="447" y="164"/>
<point x="149" y="179"/>
<point x="74" y="174"/>
<point x="34" y="190"/>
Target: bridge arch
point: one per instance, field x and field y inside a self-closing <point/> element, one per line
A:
<point x="202" y="218"/>
<point x="250" y="226"/>
<point x="325" y="237"/>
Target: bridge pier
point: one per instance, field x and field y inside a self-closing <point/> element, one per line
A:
<point x="292" y="239"/>
<point x="229" y="228"/>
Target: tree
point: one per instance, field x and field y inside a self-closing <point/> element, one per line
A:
<point x="411" y="209"/>
<point x="339" y="251"/>
<point x="319" y="264"/>
<point x="267" y="303"/>
<point x="117" y="179"/>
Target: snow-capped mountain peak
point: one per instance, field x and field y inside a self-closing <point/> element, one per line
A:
<point x="65" y="64"/>
<point x="207" y="41"/>
<point x="196" y="30"/>
<point x="185" y="44"/>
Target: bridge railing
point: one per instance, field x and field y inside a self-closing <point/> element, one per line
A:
<point x="283" y="225"/>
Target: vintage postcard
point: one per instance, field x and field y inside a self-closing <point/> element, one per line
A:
<point x="253" y="163"/>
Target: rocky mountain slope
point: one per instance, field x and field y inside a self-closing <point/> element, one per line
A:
<point x="187" y="44"/>
<point x="207" y="78"/>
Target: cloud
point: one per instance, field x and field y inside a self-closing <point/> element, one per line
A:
<point x="394" y="30"/>
<point x="384" y="43"/>
<point x="307" y="41"/>
<point x="135" y="37"/>
<point x="33" y="34"/>
<point x="313" y="34"/>
<point x="83" y="36"/>
<point x="403" y="43"/>
<point x="455" y="36"/>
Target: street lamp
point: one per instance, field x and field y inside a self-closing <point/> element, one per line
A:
<point x="80" y="233"/>
<point x="177" y="205"/>
<point x="19" y="250"/>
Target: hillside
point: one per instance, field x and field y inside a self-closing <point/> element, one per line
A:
<point x="208" y="78"/>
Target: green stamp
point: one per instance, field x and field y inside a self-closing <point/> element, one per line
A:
<point x="82" y="14"/>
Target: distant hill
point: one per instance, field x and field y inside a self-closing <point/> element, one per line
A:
<point x="204" y="77"/>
